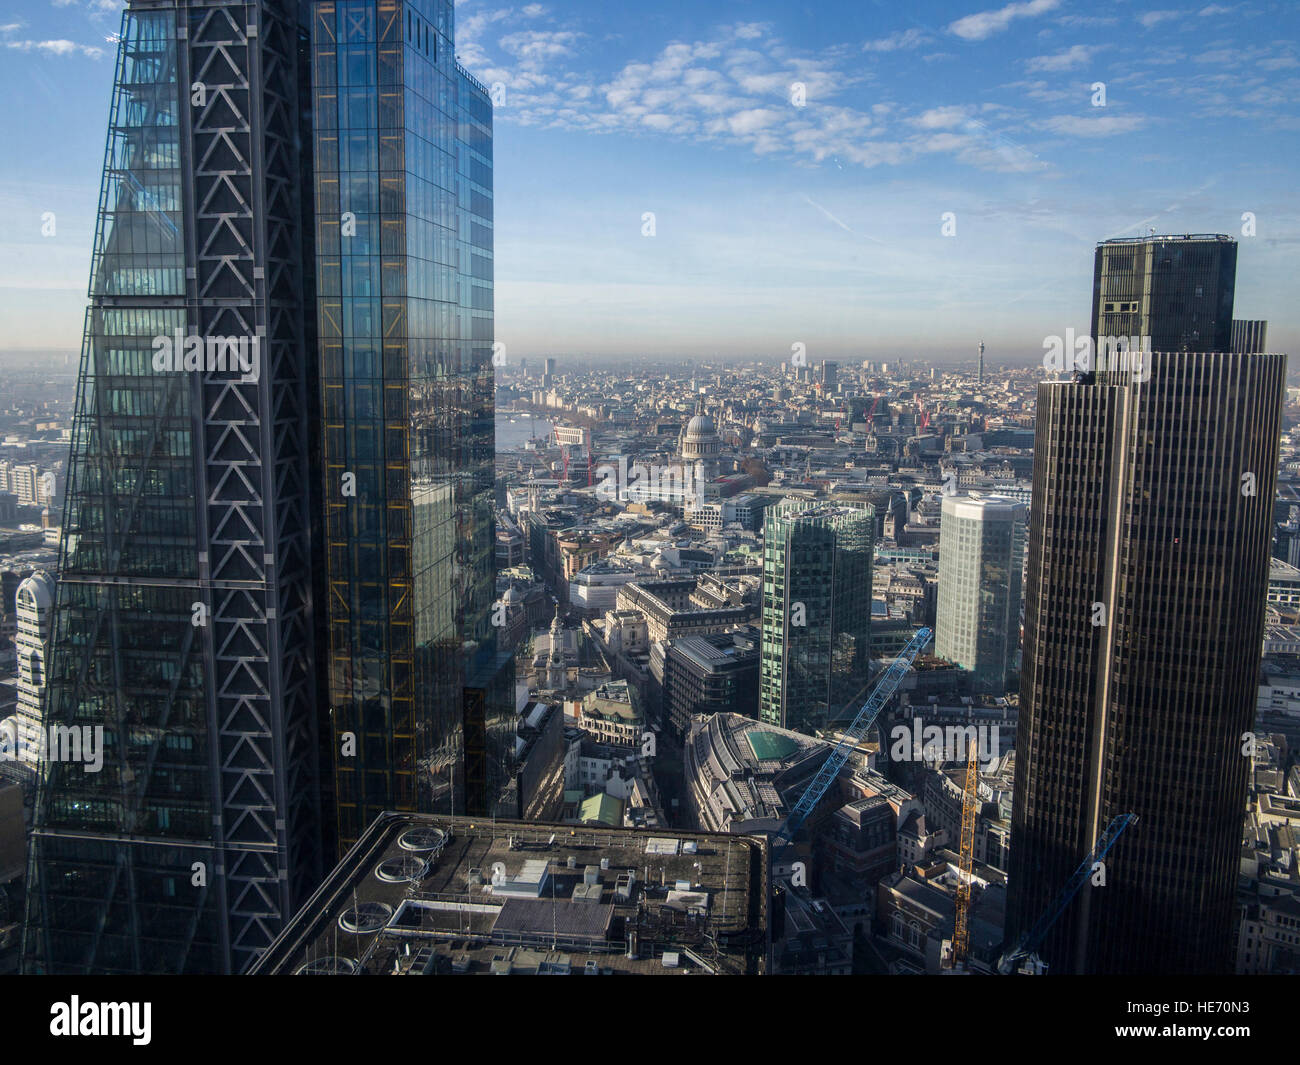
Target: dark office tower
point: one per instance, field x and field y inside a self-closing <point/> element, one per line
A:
<point x="816" y="620"/>
<point x="419" y="696"/>
<point x="710" y="674"/>
<point x="183" y="622"/>
<point x="1177" y="291"/>
<point x="1148" y="565"/>
<point x="1249" y="336"/>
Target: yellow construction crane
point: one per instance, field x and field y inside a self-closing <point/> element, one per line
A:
<point x="961" y="931"/>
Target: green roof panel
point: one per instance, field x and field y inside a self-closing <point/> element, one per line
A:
<point x="770" y="746"/>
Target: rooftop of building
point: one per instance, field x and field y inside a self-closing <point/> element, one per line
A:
<point x="1161" y="238"/>
<point x="983" y="507"/>
<point x="607" y="565"/>
<point x="878" y="786"/>
<point x="805" y="510"/>
<point x="424" y="894"/>
<point x="717" y="649"/>
<point x="604" y="809"/>
<point x="700" y="425"/>
<point x="745" y="767"/>
<point x="612" y="691"/>
<point x="1278" y="569"/>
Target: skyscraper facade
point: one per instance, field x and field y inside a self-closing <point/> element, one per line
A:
<point x="816" y="617"/>
<point x="1175" y="290"/>
<point x="1148" y="565"/>
<point x="981" y="558"/>
<point x="277" y="542"/>
<point x="403" y="194"/>
<point x="1249" y="336"/>
<point x="183" y="619"/>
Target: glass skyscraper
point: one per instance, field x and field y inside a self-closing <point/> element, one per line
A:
<point x="816" y="637"/>
<point x="277" y="558"/>
<point x="403" y="178"/>
<point x="981" y="558"/>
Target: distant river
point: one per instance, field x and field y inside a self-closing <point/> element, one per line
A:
<point x="516" y="433"/>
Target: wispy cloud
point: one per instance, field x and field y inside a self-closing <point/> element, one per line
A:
<point x="984" y="24"/>
<point x="1085" y="21"/>
<point x="742" y="85"/>
<point x="900" y="41"/>
<point x="96" y="9"/>
<point x="943" y="117"/>
<point x="57" y="48"/>
<point x="540" y="45"/>
<point x="1070" y="59"/>
<point x="813" y="203"/>
<point x="1093" y="125"/>
<point x="1154" y="18"/>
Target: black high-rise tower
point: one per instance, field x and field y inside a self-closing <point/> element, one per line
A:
<point x="1148" y="565"/>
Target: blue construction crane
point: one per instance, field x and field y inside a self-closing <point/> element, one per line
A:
<point x="1029" y="941"/>
<point x="849" y="740"/>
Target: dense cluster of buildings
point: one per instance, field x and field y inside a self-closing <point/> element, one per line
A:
<point x="552" y="697"/>
<point x="34" y="443"/>
<point x="770" y="536"/>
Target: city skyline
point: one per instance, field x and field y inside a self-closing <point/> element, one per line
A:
<point x="565" y="489"/>
<point x="776" y="223"/>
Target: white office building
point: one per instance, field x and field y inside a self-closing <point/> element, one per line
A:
<point x="981" y="553"/>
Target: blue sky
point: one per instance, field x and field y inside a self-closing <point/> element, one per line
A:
<point x="777" y="223"/>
